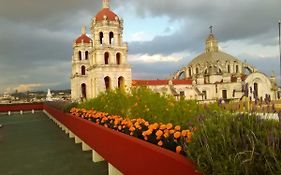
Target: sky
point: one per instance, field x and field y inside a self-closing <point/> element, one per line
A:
<point x="36" y="36"/>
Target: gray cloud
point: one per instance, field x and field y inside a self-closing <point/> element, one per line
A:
<point x="36" y="35"/>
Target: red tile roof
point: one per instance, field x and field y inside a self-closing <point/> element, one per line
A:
<point x="160" y="82"/>
<point x="106" y="12"/>
<point x="83" y="38"/>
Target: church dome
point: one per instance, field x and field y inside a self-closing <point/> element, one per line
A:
<point x="83" y="38"/>
<point x="106" y="13"/>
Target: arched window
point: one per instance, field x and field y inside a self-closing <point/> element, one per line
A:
<point x="83" y="91"/>
<point x="86" y="55"/>
<point x="121" y="83"/>
<point x="111" y="38"/>
<point x="228" y="68"/>
<point x="197" y="70"/>
<point x="106" y="58"/>
<point x="256" y="91"/>
<point x="237" y="69"/>
<point x="83" y="70"/>
<point x="189" y="72"/>
<point x="80" y="55"/>
<point x="107" y="82"/>
<point x="118" y="58"/>
<point x="101" y="38"/>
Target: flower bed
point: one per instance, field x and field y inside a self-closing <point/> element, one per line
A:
<point x="128" y="154"/>
<point x="164" y="135"/>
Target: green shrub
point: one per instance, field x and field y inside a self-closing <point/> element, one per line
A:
<point x="142" y="102"/>
<point x="68" y="106"/>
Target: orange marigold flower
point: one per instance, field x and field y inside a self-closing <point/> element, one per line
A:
<point x="184" y="133"/>
<point x="159" y="133"/>
<point x="162" y="127"/>
<point x="178" y="149"/>
<point x="132" y="129"/>
<point x="169" y="126"/>
<point x="166" y="134"/>
<point x="160" y="143"/>
<point x="177" y="135"/>
<point x="189" y="134"/>
<point x="172" y="131"/>
<point x="177" y="128"/>
<point x="119" y="127"/>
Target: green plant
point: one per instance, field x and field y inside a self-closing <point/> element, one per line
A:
<point x="236" y="144"/>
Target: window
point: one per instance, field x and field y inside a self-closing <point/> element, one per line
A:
<point x="197" y="70"/>
<point x="121" y="83"/>
<point x="204" y="95"/>
<point x="256" y="90"/>
<point x="107" y="82"/>
<point x="228" y="68"/>
<point x="189" y="72"/>
<point x="83" y="91"/>
<point x="237" y="69"/>
<point x="106" y="58"/>
<point x="83" y="70"/>
<point x="101" y="38"/>
<point x="111" y="38"/>
<point x="224" y="94"/>
<point x="80" y="55"/>
<point x="118" y="58"/>
<point x="86" y="55"/>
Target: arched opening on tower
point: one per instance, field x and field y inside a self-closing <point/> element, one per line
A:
<point x="106" y="58"/>
<point x="83" y="70"/>
<point x="121" y="83"/>
<point x="107" y="82"/>
<point x="111" y="38"/>
<point x="101" y="38"/>
<point x="197" y="70"/>
<point x="86" y="55"/>
<point x="118" y="58"/>
<point x="80" y="55"/>
<point x="83" y="91"/>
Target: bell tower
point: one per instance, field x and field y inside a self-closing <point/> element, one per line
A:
<point x="109" y="68"/>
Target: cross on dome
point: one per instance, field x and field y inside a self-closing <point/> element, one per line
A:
<point x="105" y="4"/>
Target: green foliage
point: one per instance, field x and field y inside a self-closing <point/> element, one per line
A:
<point x="68" y="106"/>
<point x="236" y="144"/>
<point x="143" y="103"/>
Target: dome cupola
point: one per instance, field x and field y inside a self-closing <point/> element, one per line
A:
<point x="83" y="38"/>
<point x="211" y="42"/>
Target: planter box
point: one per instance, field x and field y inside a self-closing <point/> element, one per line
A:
<point x="128" y="154"/>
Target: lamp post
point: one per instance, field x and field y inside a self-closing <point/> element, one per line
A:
<point x="279" y="26"/>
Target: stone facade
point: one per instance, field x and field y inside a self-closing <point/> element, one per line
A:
<point x="99" y="61"/>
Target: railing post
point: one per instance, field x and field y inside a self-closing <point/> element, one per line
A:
<point x="113" y="171"/>
<point x="96" y="157"/>
<point x="9" y="112"/>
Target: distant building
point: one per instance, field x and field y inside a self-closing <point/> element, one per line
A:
<point x="216" y="75"/>
<point x="99" y="63"/>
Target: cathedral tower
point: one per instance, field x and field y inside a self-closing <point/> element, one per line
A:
<point x="106" y="64"/>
